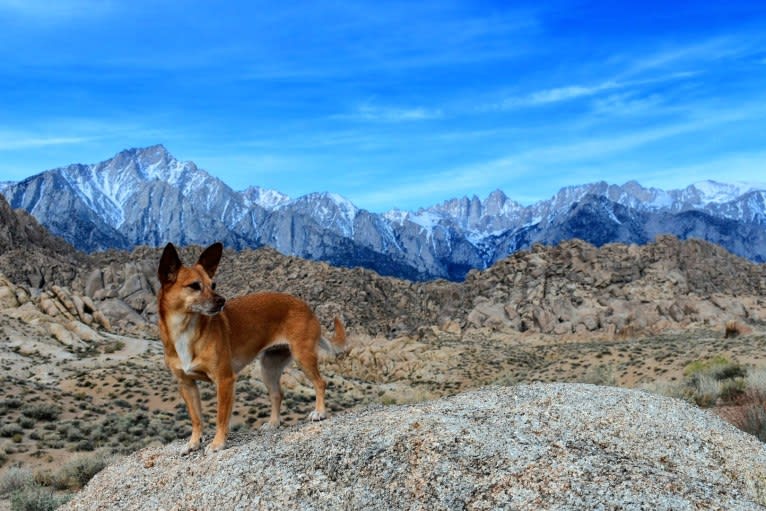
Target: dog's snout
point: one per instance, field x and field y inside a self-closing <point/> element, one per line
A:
<point x="219" y="301"/>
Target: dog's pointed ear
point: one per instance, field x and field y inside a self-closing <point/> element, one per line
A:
<point x="170" y="263"/>
<point x="210" y="258"/>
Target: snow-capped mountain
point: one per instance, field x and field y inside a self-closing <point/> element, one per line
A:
<point x="146" y="196"/>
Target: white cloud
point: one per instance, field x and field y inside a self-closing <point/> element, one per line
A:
<point x="390" y="114"/>
<point x="15" y="141"/>
<point x="567" y="93"/>
<point x="692" y="54"/>
<point x="568" y="161"/>
<point x="554" y="95"/>
<point x="433" y="188"/>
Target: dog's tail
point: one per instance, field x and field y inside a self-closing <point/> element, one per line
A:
<point x="337" y="344"/>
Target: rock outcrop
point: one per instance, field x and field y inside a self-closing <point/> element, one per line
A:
<point x="30" y="255"/>
<point x="70" y="318"/>
<point x="576" y="288"/>
<point x="573" y="288"/>
<point x="554" y="446"/>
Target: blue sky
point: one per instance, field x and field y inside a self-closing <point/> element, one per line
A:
<point x="391" y="104"/>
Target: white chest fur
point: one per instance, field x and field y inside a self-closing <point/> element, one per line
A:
<point x="183" y="337"/>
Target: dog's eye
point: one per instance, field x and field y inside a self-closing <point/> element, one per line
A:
<point x="213" y="286"/>
<point x="196" y="286"/>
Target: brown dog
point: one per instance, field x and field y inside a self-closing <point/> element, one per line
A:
<point x="205" y="340"/>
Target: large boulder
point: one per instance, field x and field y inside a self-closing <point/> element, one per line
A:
<point x="542" y="446"/>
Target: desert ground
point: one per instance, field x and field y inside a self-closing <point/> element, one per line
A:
<point x="118" y="396"/>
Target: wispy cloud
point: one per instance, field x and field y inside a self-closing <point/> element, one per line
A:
<point x="696" y="53"/>
<point x="431" y="188"/>
<point x="565" y="93"/>
<point x="559" y="94"/>
<point x="14" y="141"/>
<point x="390" y="114"/>
<point x="583" y="159"/>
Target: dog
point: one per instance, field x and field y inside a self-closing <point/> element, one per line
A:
<point x="206" y="337"/>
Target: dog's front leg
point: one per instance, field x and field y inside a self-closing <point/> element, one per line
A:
<point x="225" y="391"/>
<point x="190" y="393"/>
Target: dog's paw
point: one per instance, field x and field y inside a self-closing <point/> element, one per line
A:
<point x="213" y="447"/>
<point x="189" y="447"/>
<point x="316" y="416"/>
<point x="270" y="426"/>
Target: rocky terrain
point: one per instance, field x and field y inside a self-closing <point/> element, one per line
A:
<point x="30" y="254"/>
<point x="82" y="369"/>
<point x="553" y="446"/>
<point x="573" y="289"/>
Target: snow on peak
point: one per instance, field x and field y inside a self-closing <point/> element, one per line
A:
<point x="426" y="219"/>
<point x="396" y="216"/>
<point x="266" y="198"/>
<point x="331" y="210"/>
<point x="715" y="192"/>
<point x="345" y="205"/>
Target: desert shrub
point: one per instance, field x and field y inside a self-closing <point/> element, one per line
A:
<point x="719" y="367"/>
<point x="45" y="412"/>
<point x="84" y="445"/>
<point x="81" y="469"/>
<point x="15" y="479"/>
<point x="8" y="430"/>
<point x="11" y="403"/>
<point x="73" y="433"/>
<point x="755" y="384"/>
<point x="754" y="421"/>
<point x="26" y="422"/>
<point x="601" y="375"/>
<point x="36" y="498"/>
<point x="715" y="378"/>
<point x="26" y="494"/>
<point x="706" y="390"/>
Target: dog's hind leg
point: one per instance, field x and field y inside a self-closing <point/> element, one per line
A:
<point x="273" y="362"/>
<point x="190" y="393"/>
<point x="307" y="359"/>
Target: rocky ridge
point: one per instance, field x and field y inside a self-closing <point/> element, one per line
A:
<point x="617" y="289"/>
<point x="30" y="254"/>
<point x="544" y="446"/>
<point x="145" y="196"/>
<point x="571" y="289"/>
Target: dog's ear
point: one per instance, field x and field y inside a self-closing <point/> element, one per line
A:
<point x="170" y="263"/>
<point x="210" y="258"/>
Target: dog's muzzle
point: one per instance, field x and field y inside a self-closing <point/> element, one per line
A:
<point x="211" y="307"/>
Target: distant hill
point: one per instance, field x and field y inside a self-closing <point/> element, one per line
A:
<point x="29" y="253"/>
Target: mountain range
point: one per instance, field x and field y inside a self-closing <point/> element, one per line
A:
<point x="147" y="197"/>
